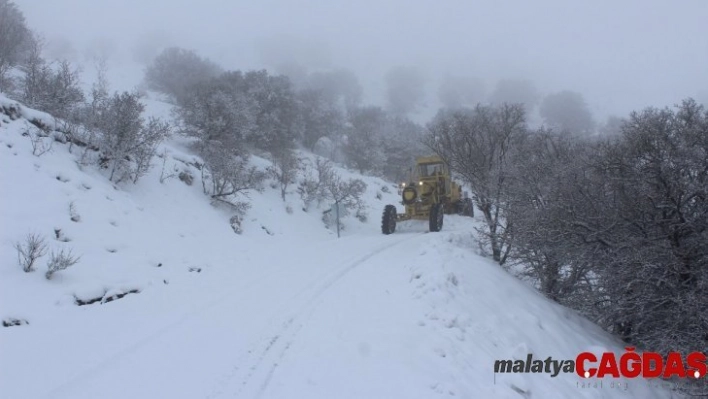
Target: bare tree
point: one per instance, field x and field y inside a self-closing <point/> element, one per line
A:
<point x="654" y="263"/>
<point x="328" y="185"/>
<point x="346" y="192"/>
<point x="616" y="228"/>
<point x="477" y="144"/>
<point x="547" y="182"/>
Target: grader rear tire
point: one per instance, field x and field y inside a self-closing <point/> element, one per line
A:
<point x="388" y="220"/>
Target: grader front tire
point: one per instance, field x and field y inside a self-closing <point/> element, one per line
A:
<point x="436" y="217"/>
<point x="388" y="220"/>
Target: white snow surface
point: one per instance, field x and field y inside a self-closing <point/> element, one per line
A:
<point x="284" y="310"/>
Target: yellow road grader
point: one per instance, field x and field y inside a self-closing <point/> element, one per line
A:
<point x="429" y="194"/>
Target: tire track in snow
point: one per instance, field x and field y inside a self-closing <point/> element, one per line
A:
<point x="277" y="345"/>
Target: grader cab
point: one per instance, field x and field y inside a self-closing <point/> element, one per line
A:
<point x="429" y="194"/>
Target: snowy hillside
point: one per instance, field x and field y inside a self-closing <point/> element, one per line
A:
<point x="168" y="301"/>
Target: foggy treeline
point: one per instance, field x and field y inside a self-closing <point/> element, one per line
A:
<point x="609" y="219"/>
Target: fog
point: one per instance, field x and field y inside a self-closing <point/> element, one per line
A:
<point x="621" y="55"/>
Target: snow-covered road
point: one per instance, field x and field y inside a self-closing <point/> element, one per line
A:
<point x="315" y="320"/>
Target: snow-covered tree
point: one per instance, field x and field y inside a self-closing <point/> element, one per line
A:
<point x="284" y="169"/>
<point x="175" y="70"/>
<point x="363" y="148"/>
<point x="340" y="88"/>
<point x="402" y="142"/>
<point x="218" y="113"/>
<point x="275" y="111"/>
<point x="477" y="144"/>
<point x="318" y="117"/>
<point x="127" y="142"/>
<point x="567" y="112"/>
<point x="15" y="39"/>
<point x="50" y="87"/>
<point x="546" y="182"/>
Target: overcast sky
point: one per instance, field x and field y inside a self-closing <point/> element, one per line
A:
<point x="621" y="54"/>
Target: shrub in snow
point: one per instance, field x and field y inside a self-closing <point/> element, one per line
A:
<point x="60" y="261"/>
<point x="33" y="248"/>
<point x="73" y="213"/>
<point x="60" y="236"/>
<point x="186" y="177"/>
<point x="10" y="109"/>
<point x="11" y="322"/>
<point x="41" y="144"/>
<point x="361" y="215"/>
<point x="236" y="224"/>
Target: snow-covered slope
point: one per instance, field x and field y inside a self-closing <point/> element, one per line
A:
<point x="187" y="308"/>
